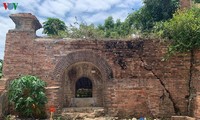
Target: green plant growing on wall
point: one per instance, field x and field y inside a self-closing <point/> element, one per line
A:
<point x="183" y="30"/>
<point x="1" y="68"/>
<point x="27" y="95"/>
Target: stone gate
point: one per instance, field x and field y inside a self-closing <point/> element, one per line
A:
<point x="126" y="77"/>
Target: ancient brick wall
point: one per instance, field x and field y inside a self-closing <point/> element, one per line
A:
<point x="129" y="76"/>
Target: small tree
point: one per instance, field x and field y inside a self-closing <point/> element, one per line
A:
<point x="53" y="26"/>
<point x="27" y="94"/>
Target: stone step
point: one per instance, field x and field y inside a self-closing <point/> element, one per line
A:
<point x="73" y="113"/>
<point x="182" y="118"/>
<point x="83" y="102"/>
<point x="82" y="109"/>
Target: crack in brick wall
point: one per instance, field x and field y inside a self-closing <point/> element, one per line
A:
<point x="176" y="109"/>
<point x="190" y="87"/>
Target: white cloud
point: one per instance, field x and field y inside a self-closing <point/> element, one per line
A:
<point x="94" y="5"/>
<point x="99" y="17"/>
<point x="129" y="3"/>
<point x="28" y="5"/>
<point x="5" y="24"/>
<point x="55" y="8"/>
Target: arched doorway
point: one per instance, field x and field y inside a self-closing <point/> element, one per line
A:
<point x="83" y="88"/>
<point x="83" y="85"/>
<point x="76" y="65"/>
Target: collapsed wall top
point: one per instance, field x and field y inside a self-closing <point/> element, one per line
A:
<point x="25" y="22"/>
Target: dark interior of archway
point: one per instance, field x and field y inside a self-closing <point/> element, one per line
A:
<point x="83" y="88"/>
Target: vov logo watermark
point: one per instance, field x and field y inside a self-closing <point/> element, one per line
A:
<point x="10" y="6"/>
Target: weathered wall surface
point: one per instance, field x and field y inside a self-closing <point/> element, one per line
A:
<point x="133" y="79"/>
<point x="195" y="86"/>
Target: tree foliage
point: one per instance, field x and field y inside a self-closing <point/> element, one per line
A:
<point x="153" y="11"/>
<point x="53" y="26"/>
<point x="109" y="29"/>
<point x="1" y="68"/>
<point x="161" y="9"/>
<point x="115" y="29"/>
<point x="183" y="30"/>
<point x="140" y="20"/>
<point x="27" y="94"/>
<point x="197" y="1"/>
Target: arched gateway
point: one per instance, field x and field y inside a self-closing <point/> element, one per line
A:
<point x="82" y="76"/>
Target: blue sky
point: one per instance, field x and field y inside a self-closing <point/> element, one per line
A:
<point x="89" y="11"/>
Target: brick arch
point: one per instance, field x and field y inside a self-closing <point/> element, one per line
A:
<point x="83" y="56"/>
<point x="76" y="71"/>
